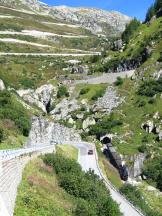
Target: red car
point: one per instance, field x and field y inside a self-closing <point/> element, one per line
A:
<point x="90" y="152"/>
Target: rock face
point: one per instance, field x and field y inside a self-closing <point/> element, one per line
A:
<point x="2" y="86"/>
<point x="108" y="102"/>
<point x="41" y="97"/>
<point x="136" y="165"/>
<point x="45" y="132"/>
<point x="95" y="20"/>
<point x="65" y="107"/>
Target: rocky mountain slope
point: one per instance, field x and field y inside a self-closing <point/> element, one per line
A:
<point x="96" y="20"/>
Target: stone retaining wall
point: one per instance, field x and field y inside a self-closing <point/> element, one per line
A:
<point x="10" y="177"/>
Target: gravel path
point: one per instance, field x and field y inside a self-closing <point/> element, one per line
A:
<point x="106" y="78"/>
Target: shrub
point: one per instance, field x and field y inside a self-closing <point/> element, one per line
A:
<point x="13" y="110"/>
<point x="98" y="94"/>
<point x="104" y="126"/>
<point x="87" y="187"/>
<point x="62" y="91"/>
<point x="152" y="169"/>
<point x="84" y="91"/>
<point x="150" y="88"/>
<point x="119" y="81"/>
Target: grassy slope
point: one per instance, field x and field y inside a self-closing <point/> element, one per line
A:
<point x="93" y="89"/>
<point x="40" y="194"/>
<point x="67" y="151"/>
<point x="35" y="22"/>
<point x="133" y="115"/>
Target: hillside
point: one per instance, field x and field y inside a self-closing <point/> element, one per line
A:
<point x="96" y="20"/>
<point x="71" y="74"/>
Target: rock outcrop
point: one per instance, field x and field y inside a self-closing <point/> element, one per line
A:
<point x="45" y="132"/>
<point x="135" y="165"/>
<point x="63" y="108"/>
<point x="41" y="97"/>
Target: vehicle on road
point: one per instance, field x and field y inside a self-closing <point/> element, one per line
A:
<point x="90" y="152"/>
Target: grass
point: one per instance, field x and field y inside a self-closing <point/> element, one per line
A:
<point x="13" y="141"/>
<point x="39" y="193"/>
<point x="132" y="114"/>
<point x="67" y="151"/>
<point x="108" y="170"/>
<point x="93" y="89"/>
<point x="153" y="198"/>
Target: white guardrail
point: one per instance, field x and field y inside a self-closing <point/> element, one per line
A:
<point x="13" y="153"/>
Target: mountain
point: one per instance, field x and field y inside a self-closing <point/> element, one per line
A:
<point x="96" y="20"/>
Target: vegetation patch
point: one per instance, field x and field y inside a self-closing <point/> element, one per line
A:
<point x="86" y="187"/>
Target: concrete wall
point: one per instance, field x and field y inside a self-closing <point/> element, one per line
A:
<point x="10" y="178"/>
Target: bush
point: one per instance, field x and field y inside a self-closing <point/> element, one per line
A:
<point x="119" y="81"/>
<point x="86" y="187"/>
<point x="98" y="94"/>
<point x="84" y="91"/>
<point x="153" y="169"/>
<point x="104" y="126"/>
<point x="62" y="91"/>
<point x="13" y="110"/>
<point x="150" y="88"/>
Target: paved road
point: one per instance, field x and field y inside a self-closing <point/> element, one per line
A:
<point x="50" y="54"/>
<point x="91" y="162"/>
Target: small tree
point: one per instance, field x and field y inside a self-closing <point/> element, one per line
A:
<point x="130" y="29"/>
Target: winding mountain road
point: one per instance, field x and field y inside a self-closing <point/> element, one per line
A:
<point x="91" y="162"/>
<point x="87" y="162"/>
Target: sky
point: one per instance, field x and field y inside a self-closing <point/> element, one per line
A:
<point x="133" y="8"/>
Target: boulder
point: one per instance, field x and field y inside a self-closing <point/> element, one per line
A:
<point x="71" y="121"/>
<point x="2" y="85"/>
<point x="88" y="122"/>
<point x="80" y="116"/>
